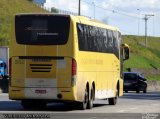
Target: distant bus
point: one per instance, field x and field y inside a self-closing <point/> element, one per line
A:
<point x="65" y="58"/>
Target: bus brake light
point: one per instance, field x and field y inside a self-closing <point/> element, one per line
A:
<point x="74" y="67"/>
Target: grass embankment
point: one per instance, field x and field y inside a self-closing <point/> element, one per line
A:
<point x="8" y="8"/>
<point x="144" y="59"/>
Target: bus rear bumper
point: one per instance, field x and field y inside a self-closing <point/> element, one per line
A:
<point x="17" y="93"/>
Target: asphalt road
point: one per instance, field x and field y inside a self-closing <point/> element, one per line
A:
<point x="131" y="105"/>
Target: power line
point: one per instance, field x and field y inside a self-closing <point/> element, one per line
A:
<point x="86" y="2"/>
<point x="114" y="11"/>
<point x="126" y="31"/>
<point x="121" y="9"/>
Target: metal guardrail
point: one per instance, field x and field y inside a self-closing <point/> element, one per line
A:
<point x="60" y="11"/>
<point x="56" y="10"/>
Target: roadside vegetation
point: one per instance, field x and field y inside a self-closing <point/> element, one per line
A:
<point x="142" y="59"/>
<point x="8" y="8"/>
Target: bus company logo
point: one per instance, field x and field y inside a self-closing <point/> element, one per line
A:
<point x="47" y="34"/>
<point x="19" y="61"/>
<point x="35" y="29"/>
<point x="150" y="116"/>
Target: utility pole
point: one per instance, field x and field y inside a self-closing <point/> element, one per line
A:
<point x="138" y="21"/>
<point x="147" y="16"/>
<point x="93" y="9"/>
<point x="79" y="8"/>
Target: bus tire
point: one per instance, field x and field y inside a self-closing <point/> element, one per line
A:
<point x="113" y="101"/>
<point x="83" y="105"/>
<point x="91" y="99"/>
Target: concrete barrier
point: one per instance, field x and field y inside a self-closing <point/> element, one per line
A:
<point x="153" y="85"/>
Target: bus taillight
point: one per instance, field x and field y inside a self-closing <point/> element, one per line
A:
<point x="74" y="67"/>
<point x="74" y="71"/>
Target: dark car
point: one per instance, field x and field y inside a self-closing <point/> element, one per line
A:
<point x="134" y="82"/>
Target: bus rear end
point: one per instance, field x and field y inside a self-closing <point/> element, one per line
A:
<point x="42" y="66"/>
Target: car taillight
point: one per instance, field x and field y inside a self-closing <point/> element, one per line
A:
<point x="74" y="71"/>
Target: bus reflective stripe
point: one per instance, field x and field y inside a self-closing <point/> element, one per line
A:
<point x="31" y="93"/>
<point x="101" y="94"/>
<point x="40" y="82"/>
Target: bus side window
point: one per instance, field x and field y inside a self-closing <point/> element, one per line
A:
<point x="115" y="44"/>
<point x="110" y="41"/>
<point x="85" y="38"/>
<point x="106" y="41"/>
<point x="81" y="40"/>
<point x="80" y="28"/>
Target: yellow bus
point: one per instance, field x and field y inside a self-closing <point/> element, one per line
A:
<point x="65" y="58"/>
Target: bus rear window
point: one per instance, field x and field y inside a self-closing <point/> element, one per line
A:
<point x="42" y="29"/>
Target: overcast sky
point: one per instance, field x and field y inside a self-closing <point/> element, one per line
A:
<point x="125" y="14"/>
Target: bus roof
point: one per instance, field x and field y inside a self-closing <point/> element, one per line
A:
<point x="94" y="22"/>
<point x="81" y="19"/>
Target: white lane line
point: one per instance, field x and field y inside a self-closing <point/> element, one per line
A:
<point x="121" y="111"/>
<point x="133" y="108"/>
<point x="155" y="104"/>
<point x="92" y="118"/>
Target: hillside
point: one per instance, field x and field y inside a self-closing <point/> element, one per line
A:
<point x="8" y="8"/>
<point x="144" y="60"/>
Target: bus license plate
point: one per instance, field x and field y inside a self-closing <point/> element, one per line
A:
<point x="40" y="91"/>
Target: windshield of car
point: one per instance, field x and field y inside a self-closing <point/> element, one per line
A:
<point x="130" y="76"/>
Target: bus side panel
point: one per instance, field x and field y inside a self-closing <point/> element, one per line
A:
<point x="82" y="79"/>
<point x="98" y="68"/>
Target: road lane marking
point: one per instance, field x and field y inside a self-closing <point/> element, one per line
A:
<point x="133" y="108"/>
<point x="155" y="104"/>
<point x="121" y="111"/>
<point x="92" y="118"/>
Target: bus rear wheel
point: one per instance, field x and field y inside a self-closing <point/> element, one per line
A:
<point x="113" y="101"/>
<point x="83" y="105"/>
<point x="91" y="99"/>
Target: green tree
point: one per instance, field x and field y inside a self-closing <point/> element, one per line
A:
<point x="54" y="10"/>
